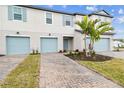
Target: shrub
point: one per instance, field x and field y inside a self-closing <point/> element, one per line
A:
<point x="84" y="52"/>
<point x="76" y="50"/>
<point x="37" y="52"/>
<point x="60" y="51"/>
<point x="64" y="50"/>
<point x="70" y="53"/>
<point x="33" y="51"/>
<point x="93" y="53"/>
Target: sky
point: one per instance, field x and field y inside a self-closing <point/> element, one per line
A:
<point x="117" y="11"/>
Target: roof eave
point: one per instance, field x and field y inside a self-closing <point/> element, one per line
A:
<point x="44" y="9"/>
<point x="100" y="15"/>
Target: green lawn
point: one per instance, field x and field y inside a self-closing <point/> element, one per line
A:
<point x="112" y="69"/>
<point x="25" y="75"/>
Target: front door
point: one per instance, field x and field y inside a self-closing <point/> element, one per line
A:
<point x="65" y="44"/>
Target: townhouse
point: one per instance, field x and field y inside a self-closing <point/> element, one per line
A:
<point x="27" y="28"/>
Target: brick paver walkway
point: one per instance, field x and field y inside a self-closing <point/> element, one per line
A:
<point x="7" y="63"/>
<point x="58" y="71"/>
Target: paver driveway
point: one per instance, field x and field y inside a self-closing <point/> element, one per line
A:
<point x="60" y="71"/>
<point x="7" y="63"/>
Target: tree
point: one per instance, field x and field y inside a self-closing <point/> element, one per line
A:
<point x="84" y="25"/>
<point x="97" y="28"/>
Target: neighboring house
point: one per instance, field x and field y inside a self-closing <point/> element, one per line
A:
<point x="27" y="28"/>
<point x="118" y="44"/>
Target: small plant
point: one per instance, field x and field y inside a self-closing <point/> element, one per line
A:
<point x="64" y="50"/>
<point x="93" y="54"/>
<point x="84" y="52"/>
<point x="60" y="51"/>
<point x="33" y="52"/>
<point x="37" y="52"/>
<point x="70" y="53"/>
<point x="76" y="50"/>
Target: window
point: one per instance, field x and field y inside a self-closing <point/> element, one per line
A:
<point x="17" y="13"/>
<point x="68" y="20"/>
<point x="68" y="23"/>
<point x="49" y="18"/>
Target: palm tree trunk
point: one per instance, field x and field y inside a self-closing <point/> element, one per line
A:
<point x="85" y="42"/>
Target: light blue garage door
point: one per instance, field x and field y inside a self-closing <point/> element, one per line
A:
<point x="49" y="45"/>
<point x="18" y="45"/>
<point x="102" y="45"/>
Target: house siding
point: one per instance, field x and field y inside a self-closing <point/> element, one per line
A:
<point x="35" y="27"/>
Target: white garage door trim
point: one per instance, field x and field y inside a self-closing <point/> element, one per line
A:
<point x="28" y="47"/>
<point x="46" y="45"/>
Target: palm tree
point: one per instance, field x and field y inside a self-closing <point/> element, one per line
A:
<point x="84" y="25"/>
<point x="97" y="28"/>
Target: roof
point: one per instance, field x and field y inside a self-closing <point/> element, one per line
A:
<point x="77" y="13"/>
<point x="62" y="12"/>
<point x="50" y="10"/>
<point x="97" y="13"/>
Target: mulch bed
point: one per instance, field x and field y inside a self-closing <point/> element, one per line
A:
<point x="81" y="56"/>
<point x="2" y="55"/>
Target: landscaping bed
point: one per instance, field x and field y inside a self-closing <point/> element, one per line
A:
<point x="25" y="75"/>
<point x="81" y="56"/>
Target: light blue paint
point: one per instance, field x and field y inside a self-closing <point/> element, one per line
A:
<point x="18" y="45"/>
<point x="10" y="13"/>
<point x="65" y="44"/>
<point x="49" y="45"/>
<point x="24" y="14"/>
<point x="100" y="45"/>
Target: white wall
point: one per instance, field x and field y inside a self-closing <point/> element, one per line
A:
<point x="78" y="41"/>
<point x="102" y="18"/>
<point x="78" y="18"/>
<point x="35" y="27"/>
<point x="35" y="22"/>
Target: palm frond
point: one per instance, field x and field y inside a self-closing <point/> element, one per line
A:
<point x="102" y="24"/>
<point x="105" y="29"/>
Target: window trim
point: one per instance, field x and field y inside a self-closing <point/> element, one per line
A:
<point x="46" y="18"/>
<point x="16" y="13"/>
<point x="71" y="21"/>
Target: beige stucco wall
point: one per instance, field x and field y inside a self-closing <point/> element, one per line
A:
<point x="35" y="22"/>
<point x="34" y="39"/>
<point x="35" y="27"/>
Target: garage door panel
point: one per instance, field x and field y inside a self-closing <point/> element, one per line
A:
<point x="100" y="45"/>
<point x="18" y="45"/>
<point x="48" y="45"/>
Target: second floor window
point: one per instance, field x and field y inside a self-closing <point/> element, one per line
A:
<point x="48" y="18"/>
<point x="67" y="20"/>
<point x="17" y="13"/>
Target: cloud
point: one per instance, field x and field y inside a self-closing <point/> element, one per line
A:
<point x="91" y="8"/>
<point x="119" y="20"/>
<point x="50" y="6"/>
<point x="113" y="10"/>
<point x="119" y="32"/>
<point x="121" y="11"/>
<point x="64" y="6"/>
